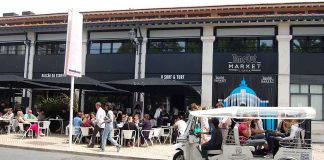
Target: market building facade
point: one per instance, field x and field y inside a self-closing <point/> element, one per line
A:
<point x="276" y="50"/>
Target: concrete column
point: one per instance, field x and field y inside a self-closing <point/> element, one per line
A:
<point x="82" y="101"/>
<point x="207" y="67"/>
<point x="84" y="49"/>
<point x="29" y="63"/>
<point x="283" y="39"/>
<point x="84" y="55"/>
<point x="29" y="56"/>
<point x="143" y="55"/>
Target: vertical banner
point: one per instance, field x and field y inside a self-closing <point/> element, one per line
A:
<point x="73" y="55"/>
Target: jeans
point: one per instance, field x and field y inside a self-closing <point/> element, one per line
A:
<point x="255" y="142"/>
<point x="95" y="131"/>
<point x="108" y="133"/>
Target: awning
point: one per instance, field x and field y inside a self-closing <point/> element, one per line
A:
<point x="85" y="83"/>
<point x="13" y="81"/>
<point x="155" y="86"/>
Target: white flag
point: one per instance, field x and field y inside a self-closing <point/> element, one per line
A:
<point x="73" y="56"/>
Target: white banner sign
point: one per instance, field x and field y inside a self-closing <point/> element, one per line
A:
<point x="73" y="56"/>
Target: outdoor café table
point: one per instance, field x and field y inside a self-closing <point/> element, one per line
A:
<point x="4" y="119"/>
<point x="61" y="123"/>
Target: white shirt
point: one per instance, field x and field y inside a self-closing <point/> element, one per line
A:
<point x="8" y="116"/>
<point x="100" y="118"/>
<point x="181" y="125"/>
<point x="293" y="130"/>
<point x="110" y="115"/>
<point x="157" y="113"/>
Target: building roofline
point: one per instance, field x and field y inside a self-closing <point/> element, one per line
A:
<point x="247" y="6"/>
<point x="228" y="13"/>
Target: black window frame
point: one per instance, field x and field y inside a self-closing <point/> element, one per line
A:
<point x="112" y="42"/>
<point x="54" y="45"/>
<point x="16" y="51"/>
<point x="308" y="48"/>
<point x="308" y="94"/>
<point x="233" y="47"/>
<point x="165" y="50"/>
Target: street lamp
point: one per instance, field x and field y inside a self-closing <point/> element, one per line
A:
<point x="138" y="42"/>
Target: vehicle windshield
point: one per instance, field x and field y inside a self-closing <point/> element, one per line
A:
<point x="259" y="112"/>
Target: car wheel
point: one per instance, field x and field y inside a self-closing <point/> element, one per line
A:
<point x="178" y="156"/>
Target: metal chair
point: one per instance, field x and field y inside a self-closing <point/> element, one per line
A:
<point x="116" y="135"/>
<point x="24" y="133"/>
<point x="166" y="133"/>
<point x="130" y="135"/>
<point x="12" y="126"/>
<point x="156" y="134"/>
<point x="45" y="127"/>
<point x="84" y="133"/>
<point x="151" y="132"/>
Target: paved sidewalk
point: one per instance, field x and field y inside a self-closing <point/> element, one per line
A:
<point x="318" y="151"/>
<point x="59" y="143"/>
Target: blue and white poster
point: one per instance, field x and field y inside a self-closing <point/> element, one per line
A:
<point x="246" y="90"/>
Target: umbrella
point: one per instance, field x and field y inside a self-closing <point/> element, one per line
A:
<point x="154" y="86"/>
<point x="83" y="82"/>
<point x="13" y="81"/>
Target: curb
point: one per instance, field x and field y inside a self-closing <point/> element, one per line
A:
<point x="76" y="152"/>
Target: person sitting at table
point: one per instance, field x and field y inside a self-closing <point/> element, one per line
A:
<point x="30" y="116"/>
<point x="27" y="124"/>
<point x="137" y="123"/>
<point x="77" y="122"/>
<point x="146" y="125"/>
<point x="180" y="125"/>
<point x="41" y="115"/>
<point x="129" y="125"/>
<point x="86" y="122"/>
<point x="93" y="118"/>
<point x="136" y="119"/>
<point x="8" y="116"/>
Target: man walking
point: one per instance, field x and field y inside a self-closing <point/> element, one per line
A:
<point x="108" y="131"/>
<point x="99" y="124"/>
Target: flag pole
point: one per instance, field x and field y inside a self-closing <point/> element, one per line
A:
<point x="71" y="112"/>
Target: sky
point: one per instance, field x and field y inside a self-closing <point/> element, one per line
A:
<point x="59" y="6"/>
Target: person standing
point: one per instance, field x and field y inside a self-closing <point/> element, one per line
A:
<point x="108" y="131"/>
<point x="158" y="115"/>
<point x="98" y="123"/>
